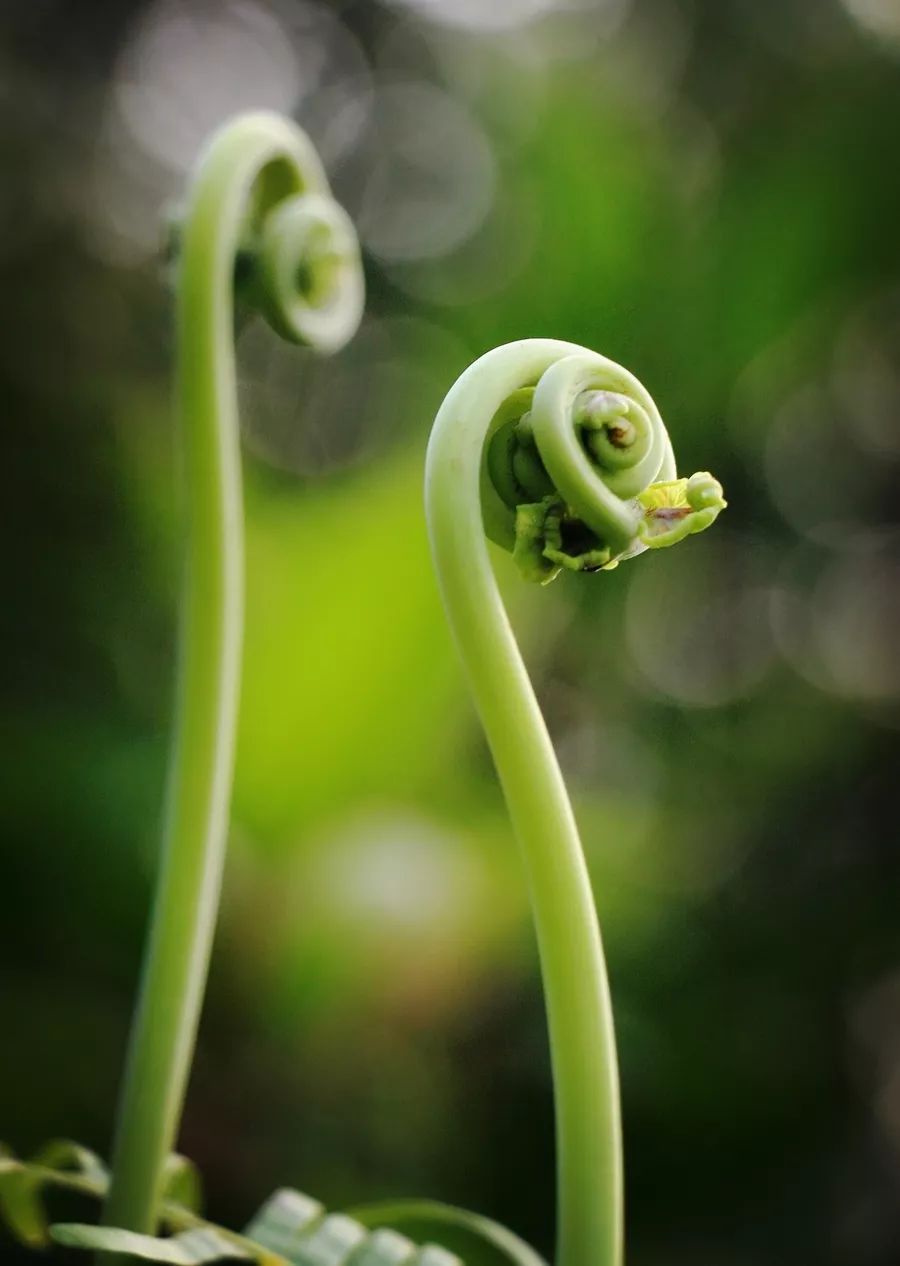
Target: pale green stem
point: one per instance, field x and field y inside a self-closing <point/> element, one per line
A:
<point x="582" y="1039"/>
<point x="200" y="774"/>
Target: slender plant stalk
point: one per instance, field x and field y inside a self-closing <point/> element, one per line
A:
<point x="589" y="1136"/>
<point x="259" y="190"/>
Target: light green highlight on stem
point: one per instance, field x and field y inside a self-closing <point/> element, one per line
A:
<point x="258" y="179"/>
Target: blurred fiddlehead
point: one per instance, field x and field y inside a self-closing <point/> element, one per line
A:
<point x="260" y="232"/>
<point x="559" y="455"/>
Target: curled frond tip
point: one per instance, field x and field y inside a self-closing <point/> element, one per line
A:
<point x="578" y="470"/>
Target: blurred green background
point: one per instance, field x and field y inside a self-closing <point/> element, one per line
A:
<point x="708" y="192"/>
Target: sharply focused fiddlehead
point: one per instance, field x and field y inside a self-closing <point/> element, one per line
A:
<point x="579" y="469"/>
<point x="260" y="226"/>
<point x="560" y="456"/>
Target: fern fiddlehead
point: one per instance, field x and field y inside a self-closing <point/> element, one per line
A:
<point x="559" y="455"/>
<point x="260" y="234"/>
<point x="562" y="457"/>
<point x="261" y="230"/>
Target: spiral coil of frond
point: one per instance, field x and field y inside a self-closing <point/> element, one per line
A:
<point x="580" y="473"/>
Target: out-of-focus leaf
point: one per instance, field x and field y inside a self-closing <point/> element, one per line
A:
<point x="331" y="1242"/>
<point x="389" y="1248"/>
<point x="190" y="1248"/>
<point x="67" y="1166"/>
<point x="58" y="1164"/>
<point x="291" y="1229"/>
<point x="283" y="1219"/>
<point x="306" y="1237"/>
<point x="181" y="1184"/>
<point x="295" y="1226"/>
<point x="477" y="1239"/>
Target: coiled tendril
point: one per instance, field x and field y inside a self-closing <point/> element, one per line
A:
<point x="581" y="474"/>
<point x="559" y="455"/>
<point x="261" y="233"/>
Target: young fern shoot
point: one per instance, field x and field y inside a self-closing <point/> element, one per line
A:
<point x="260" y="219"/>
<point x="560" y="456"/>
<point x="261" y="232"/>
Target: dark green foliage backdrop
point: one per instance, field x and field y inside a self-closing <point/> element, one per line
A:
<point x="709" y="193"/>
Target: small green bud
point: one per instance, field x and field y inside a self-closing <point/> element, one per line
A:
<point x="549" y="538"/>
<point x="528" y="551"/>
<point x="678" y="508"/>
<point x="705" y="492"/>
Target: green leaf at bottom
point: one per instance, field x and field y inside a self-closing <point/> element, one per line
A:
<point x="22" y="1183"/>
<point x="191" y="1248"/>
<point x="478" y="1240"/>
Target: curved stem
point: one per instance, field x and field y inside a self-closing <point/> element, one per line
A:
<point x="579" y="1010"/>
<point x="251" y="164"/>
